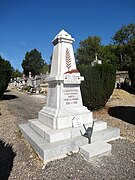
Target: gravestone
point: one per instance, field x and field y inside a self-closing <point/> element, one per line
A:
<point x="60" y="124"/>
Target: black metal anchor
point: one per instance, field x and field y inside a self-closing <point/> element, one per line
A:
<point x="88" y="132"/>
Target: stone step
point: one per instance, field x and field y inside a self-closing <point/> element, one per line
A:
<point x="54" y="135"/>
<point x="50" y="151"/>
<point x="99" y="125"/>
<point x="106" y="135"/>
<point x="95" y="149"/>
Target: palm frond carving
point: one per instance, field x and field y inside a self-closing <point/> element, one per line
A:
<point x="68" y="59"/>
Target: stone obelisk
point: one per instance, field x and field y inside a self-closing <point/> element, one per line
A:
<point x="64" y="105"/>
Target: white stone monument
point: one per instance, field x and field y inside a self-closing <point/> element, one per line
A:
<point x="58" y="129"/>
<point x="64" y="106"/>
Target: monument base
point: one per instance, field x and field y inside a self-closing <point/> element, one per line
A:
<point x="52" y="144"/>
<point x="65" y="118"/>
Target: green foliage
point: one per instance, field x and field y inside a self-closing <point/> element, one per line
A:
<point x="108" y="55"/>
<point x="125" y="34"/>
<point x="16" y="73"/>
<point x="131" y="72"/>
<point x="130" y="50"/>
<point x="33" y="63"/>
<point x="92" y="46"/>
<point x="86" y="53"/>
<point x="98" y="85"/>
<point x="45" y="69"/>
<point x="121" y="53"/>
<point x="124" y="40"/>
<point x="5" y="75"/>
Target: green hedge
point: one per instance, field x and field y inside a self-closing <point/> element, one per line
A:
<point x="131" y="72"/>
<point x="5" y="75"/>
<point x="98" y="84"/>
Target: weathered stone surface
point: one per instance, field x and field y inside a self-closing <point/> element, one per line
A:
<point x="53" y="135"/>
<point x="95" y="149"/>
<point x="48" y="151"/>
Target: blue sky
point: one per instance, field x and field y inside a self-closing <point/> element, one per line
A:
<point x="29" y="24"/>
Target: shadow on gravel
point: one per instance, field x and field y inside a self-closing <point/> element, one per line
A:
<point x="125" y="113"/>
<point x="8" y="97"/>
<point x="7" y="156"/>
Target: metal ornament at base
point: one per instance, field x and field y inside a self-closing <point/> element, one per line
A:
<point x="88" y="132"/>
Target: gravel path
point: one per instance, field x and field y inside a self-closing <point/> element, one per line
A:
<point x="19" y="162"/>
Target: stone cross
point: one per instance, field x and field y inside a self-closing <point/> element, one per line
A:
<point x="96" y="54"/>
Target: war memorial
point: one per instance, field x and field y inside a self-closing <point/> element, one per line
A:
<point x="64" y="125"/>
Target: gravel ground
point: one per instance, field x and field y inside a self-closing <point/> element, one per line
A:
<point x="18" y="160"/>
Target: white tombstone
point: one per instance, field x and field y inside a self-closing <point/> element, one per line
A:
<point x="64" y="105"/>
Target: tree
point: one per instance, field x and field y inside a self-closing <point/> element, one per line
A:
<point x="5" y="75"/>
<point x="124" y="35"/>
<point x="92" y="46"/>
<point x="33" y="63"/>
<point x="98" y="85"/>
<point x="108" y="55"/>
<point x="45" y="68"/>
<point x="88" y="48"/>
<point x="131" y="72"/>
<point x="16" y="73"/>
<point x="130" y="49"/>
<point x="124" y="40"/>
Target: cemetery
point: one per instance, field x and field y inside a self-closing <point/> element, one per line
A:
<point x="31" y="84"/>
<point x="67" y="90"/>
<point x="61" y="138"/>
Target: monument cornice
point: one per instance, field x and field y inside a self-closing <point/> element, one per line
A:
<point x="60" y="78"/>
